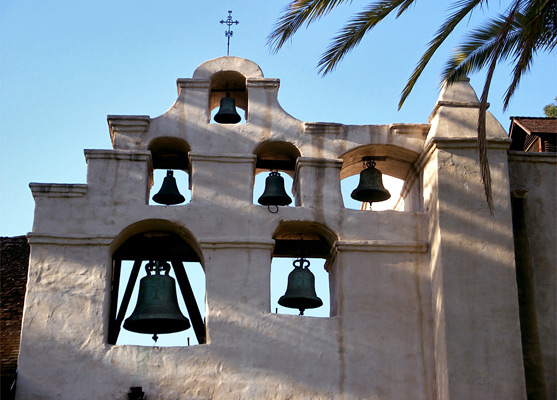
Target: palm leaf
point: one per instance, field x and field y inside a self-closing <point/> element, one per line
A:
<point x="295" y="15"/>
<point x="478" y="49"/>
<point x="538" y="31"/>
<point x="482" y="145"/>
<point x="462" y="9"/>
<point x="356" y="29"/>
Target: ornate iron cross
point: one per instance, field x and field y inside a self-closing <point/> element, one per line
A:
<point x="229" y="33"/>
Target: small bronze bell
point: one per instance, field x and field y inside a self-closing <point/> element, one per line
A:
<point x="370" y="189"/>
<point x="157" y="309"/>
<point x="169" y="193"/>
<point x="274" y="193"/>
<point x="300" y="292"/>
<point x="227" y="112"/>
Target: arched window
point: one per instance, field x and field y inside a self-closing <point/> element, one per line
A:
<point x="395" y="167"/>
<point x="390" y="183"/>
<point x="170" y="159"/>
<point x="228" y="84"/>
<point x="134" y="259"/>
<point x="274" y="156"/>
<point x="295" y="241"/>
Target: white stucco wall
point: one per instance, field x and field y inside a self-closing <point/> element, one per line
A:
<point x="422" y="301"/>
<point x="536" y="173"/>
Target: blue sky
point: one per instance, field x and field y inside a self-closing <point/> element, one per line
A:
<point x="65" y="65"/>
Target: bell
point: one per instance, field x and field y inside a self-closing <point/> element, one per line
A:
<point x="157" y="309"/>
<point x="300" y="292"/>
<point x="370" y="189"/>
<point x="274" y="193"/>
<point x="227" y="112"/>
<point x="169" y="193"/>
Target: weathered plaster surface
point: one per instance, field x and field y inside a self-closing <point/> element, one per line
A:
<point x="476" y="325"/>
<point x="537" y="174"/>
<point x="423" y="303"/>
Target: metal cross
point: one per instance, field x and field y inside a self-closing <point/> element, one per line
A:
<point x="229" y="33"/>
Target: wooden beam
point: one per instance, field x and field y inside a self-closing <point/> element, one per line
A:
<point x="281" y="165"/>
<point x="127" y="297"/>
<point x="114" y="287"/>
<point x="292" y="248"/>
<point x="187" y="292"/>
<point x="163" y="247"/>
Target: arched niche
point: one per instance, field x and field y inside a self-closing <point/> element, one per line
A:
<point x="301" y="239"/>
<point x="274" y="156"/>
<point x="228" y="82"/>
<point x="392" y="160"/>
<point x="397" y="166"/>
<point x="154" y="240"/>
<point x="316" y="239"/>
<point x="170" y="153"/>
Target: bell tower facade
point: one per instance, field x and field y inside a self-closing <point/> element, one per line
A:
<point x="423" y="298"/>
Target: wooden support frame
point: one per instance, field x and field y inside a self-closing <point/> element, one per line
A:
<point x="116" y="322"/>
<point x="187" y="293"/>
<point x="117" y="315"/>
<point x="114" y="283"/>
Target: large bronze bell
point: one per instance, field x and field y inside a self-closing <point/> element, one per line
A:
<point x="169" y="193"/>
<point x="274" y="193"/>
<point x="300" y="292"/>
<point x="157" y="309"/>
<point x="227" y="112"/>
<point x="370" y="189"/>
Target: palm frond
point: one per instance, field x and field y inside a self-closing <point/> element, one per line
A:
<point x="478" y="49"/>
<point x="403" y="7"/>
<point x="482" y="145"/>
<point x="295" y="15"/>
<point x="538" y="31"/>
<point x="462" y="9"/>
<point x="355" y="30"/>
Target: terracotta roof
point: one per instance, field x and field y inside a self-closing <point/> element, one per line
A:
<point x="14" y="261"/>
<point x="534" y="125"/>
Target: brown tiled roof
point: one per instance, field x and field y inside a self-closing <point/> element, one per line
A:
<point x="14" y="261"/>
<point x="534" y="125"/>
<point x="527" y="131"/>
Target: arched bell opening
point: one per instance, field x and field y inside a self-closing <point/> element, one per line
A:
<point x="228" y="93"/>
<point x="157" y="287"/>
<point x="390" y="183"/>
<point x="299" y="281"/>
<point x="274" y="173"/>
<point x="380" y="177"/>
<point x="171" y="181"/>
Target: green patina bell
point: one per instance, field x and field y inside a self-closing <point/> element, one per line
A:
<point x="370" y="188"/>
<point x="227" y="112"/>
<point x="274" y="193"/>
<point x="157" y="309"/>
<point x="300" y="292"/>
<point x="169" y="193"/>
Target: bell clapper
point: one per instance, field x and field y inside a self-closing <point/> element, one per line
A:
<point x="155" y="338"/>
<point x="276" y="209"/>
